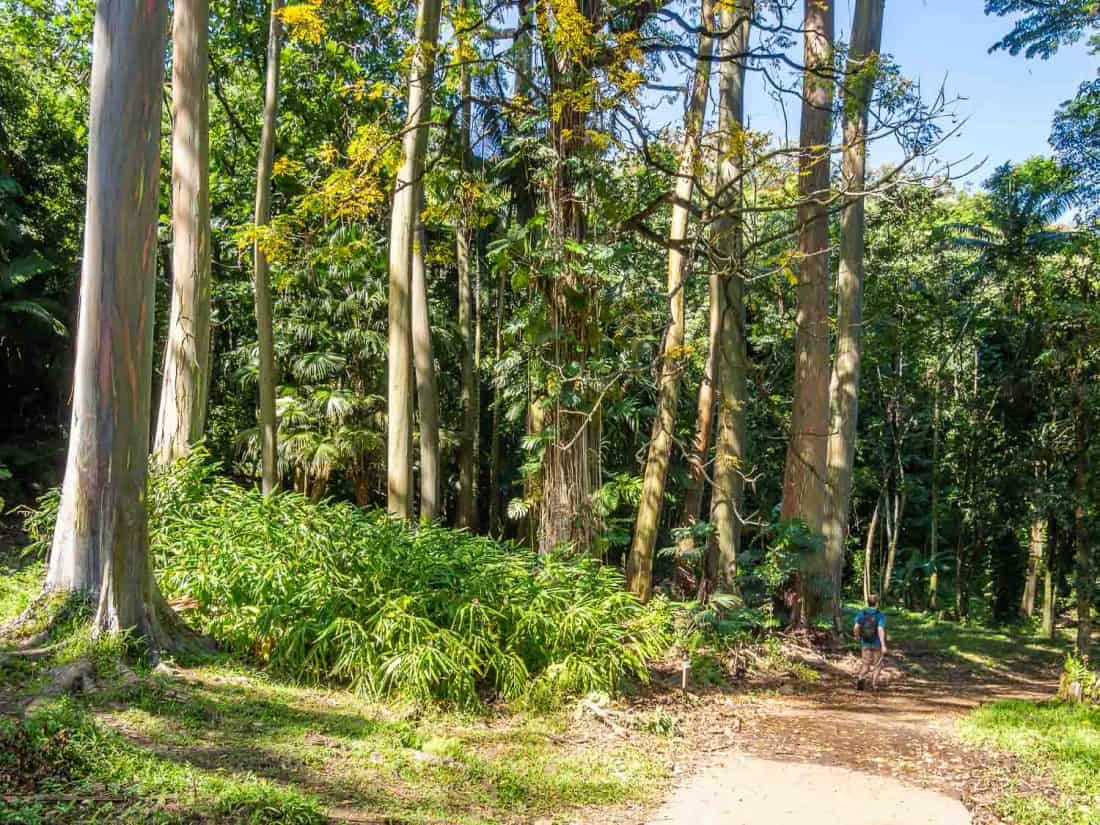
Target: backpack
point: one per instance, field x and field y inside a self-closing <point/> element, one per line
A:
<point x="868" y="625"/>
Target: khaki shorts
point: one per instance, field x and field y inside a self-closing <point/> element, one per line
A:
<point x="872" y="656"/>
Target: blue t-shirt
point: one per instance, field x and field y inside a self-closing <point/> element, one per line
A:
<point x="871" y="611"/>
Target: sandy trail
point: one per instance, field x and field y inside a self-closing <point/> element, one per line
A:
<point x="746" y="790"/>
<point x="833" y="755"/>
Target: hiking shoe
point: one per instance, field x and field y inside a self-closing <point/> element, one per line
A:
<point x="859" y="684"/>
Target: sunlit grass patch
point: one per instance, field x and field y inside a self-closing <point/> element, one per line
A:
<point x="61" y="750"/>
<point x="215" y="744"/>
<point x="995" y="649"/>
<point x="1062" y="741"/>
<point x="19" y="584"/>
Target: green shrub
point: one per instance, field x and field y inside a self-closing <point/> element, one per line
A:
<point x="332" y="592"/>
<point x="1078" y="683"/>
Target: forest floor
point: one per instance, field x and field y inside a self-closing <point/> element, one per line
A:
<point x="218" y="741"/>
<point x="912" y="754"/>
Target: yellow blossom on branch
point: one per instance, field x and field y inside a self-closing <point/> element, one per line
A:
<point x="303" y="21"/>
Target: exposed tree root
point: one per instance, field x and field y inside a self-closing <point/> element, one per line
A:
<point x="605" y="715"/>
<point x="70" y="678"/>
<point x="41" y="617"/>
<point x="162" y="631"/>
<point x="171" y="633"/>
<point x="25" y="651"/>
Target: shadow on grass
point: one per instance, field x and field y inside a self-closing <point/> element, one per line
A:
<point x="356" y="760"/>
<point x="966" y="656"/>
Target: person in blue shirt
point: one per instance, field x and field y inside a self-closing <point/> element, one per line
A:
<point x="870" y="630"/>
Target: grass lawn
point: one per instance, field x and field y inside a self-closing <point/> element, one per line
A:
<point x="1003" y="651"/>
<point x="220" y="742"/>
<point x="1057" y="743"/>
<point x="1059" y="740"/>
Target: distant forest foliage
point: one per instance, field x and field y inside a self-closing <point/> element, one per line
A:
<point x="455" y="262"/>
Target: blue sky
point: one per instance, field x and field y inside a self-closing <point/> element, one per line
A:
<point x="1009" y="100"/>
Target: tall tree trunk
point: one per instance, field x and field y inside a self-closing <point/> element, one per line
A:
<point x="859" y="84"/>
<point x="101" y="541"/>
<point x="427" y="388"/>
<point x="1048" y="579"/>
<point x="961" y="596"/>
<point x="523" y="86"/>
<point x="1034" y="562"/>
<point x="466" y="511"/>
<point x="1083" y="583"/>
<point x="804" y="473"/>
<point x="934" y="542"/>
<point x="727" y="241"/>
<point x="639" y="570"/>
<point x="704" y="425"/>
<point x="869" y="551"/>
<point x="182" y="415"/>
<point x="495" y="464"/>
<point x="894" y="533"/>
<point x="402" y="238"/>
<point x="567" y="477"/>
<point x="265" y="321"/>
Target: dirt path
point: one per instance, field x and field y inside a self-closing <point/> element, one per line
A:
<point x="830" y="754"/>
<point x="745" y="790"/>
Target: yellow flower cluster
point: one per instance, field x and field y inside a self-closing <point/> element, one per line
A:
<point x="354" y="191"/>
<point x="273" y="239"/>
<point x="303" y="21"/>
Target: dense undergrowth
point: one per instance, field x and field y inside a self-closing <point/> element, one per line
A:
<point x="328" y="591"/>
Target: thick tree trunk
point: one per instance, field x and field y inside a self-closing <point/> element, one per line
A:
<point x="427" y="388"/>
<point x="495" y="463"/>
<point x="962" y="607"/>
<point x="265" y="321"/>
<point x="869" y="551"/>
<point x="101" y="541"/>
<point x="1049" y="596"/>
<point x="182" y="415"/>
<point x="402" y="231"/>
<point x="1034" y="562"/>
<point x="934" y="542"/>
<point x="639" y="570"/>
<point x="858" y="87"/>
<point x="894" y="531"/>
<point x="727" y="234"/>
<point x="704" y="425"/>
<point x="804" y="473"/>
<point x="466" y="511"/>
<point x="568" y="475"/>
<point x="1082" y="551"/>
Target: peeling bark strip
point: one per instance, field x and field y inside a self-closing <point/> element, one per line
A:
<point x="186" y="381"/>
<point x="402" y="237"/>
<point x="844" y="391"/>
<point x="265" y="322"/>
<point x="727" y="240"/>
<point x="101" y="542"/>
<point x="639" y="570"/>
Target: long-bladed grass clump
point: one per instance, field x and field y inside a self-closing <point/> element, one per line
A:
<point x="328" y="591"/>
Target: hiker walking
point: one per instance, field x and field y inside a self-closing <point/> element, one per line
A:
<point x="870" y="629"/>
